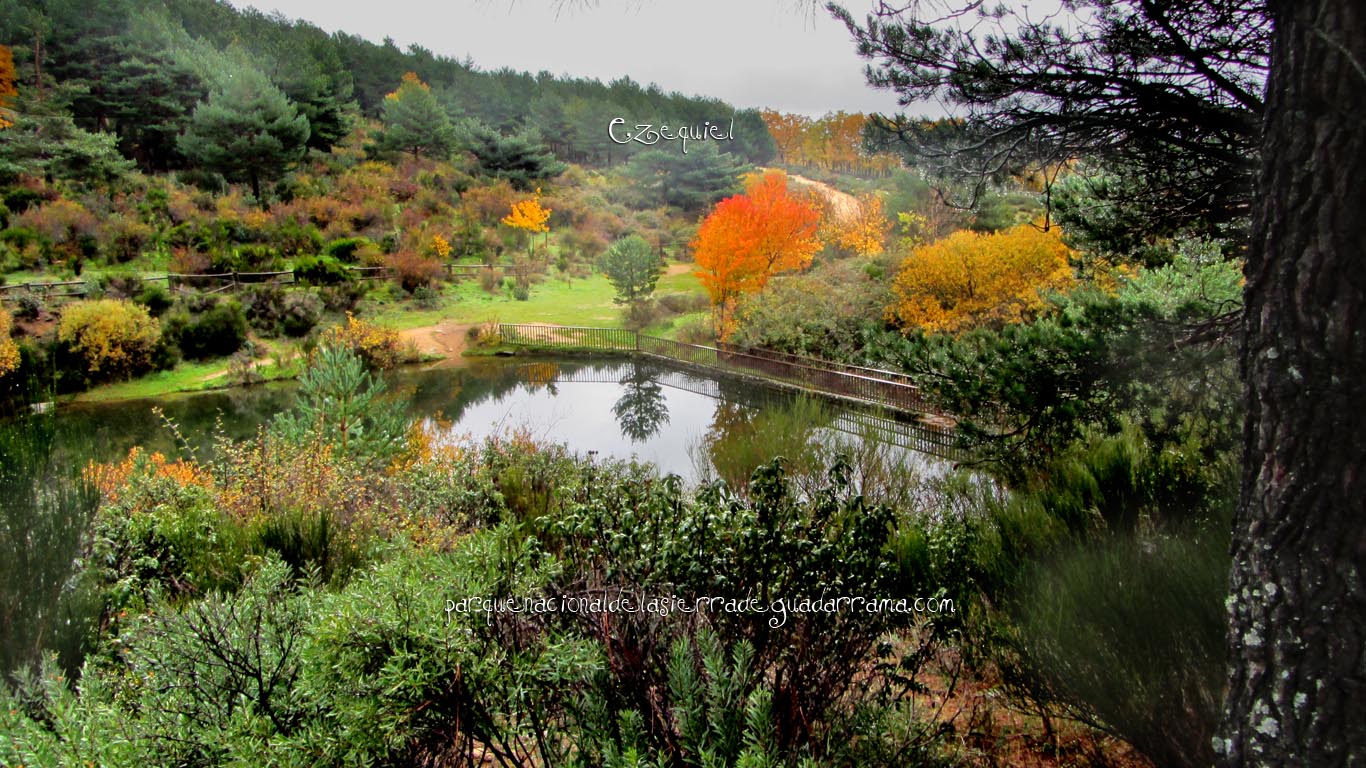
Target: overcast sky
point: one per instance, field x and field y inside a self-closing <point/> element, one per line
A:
<point x="779" y="54"/>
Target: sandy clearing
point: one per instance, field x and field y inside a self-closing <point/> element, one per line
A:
<point x="447" y="339"/>
<point x="845" y="205"/>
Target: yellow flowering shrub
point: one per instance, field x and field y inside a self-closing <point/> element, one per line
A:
<point x="969" y="279"/>
<point x="9" y="351"/>
<point x="115" y="337"/>
<point x="381" y="348"/>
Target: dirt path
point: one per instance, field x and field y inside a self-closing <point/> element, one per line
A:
<point x="447" y="339"/>
<point x="845" y="205"/>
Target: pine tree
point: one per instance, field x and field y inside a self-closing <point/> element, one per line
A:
<point x="247" y="131"/>
<point x="633" y="269"/>
<point x="414" y="122"/>
<point x="341" y="405"/>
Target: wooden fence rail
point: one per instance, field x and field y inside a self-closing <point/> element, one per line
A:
<point x="570" y="336"/>
<point x="221" y="281"/>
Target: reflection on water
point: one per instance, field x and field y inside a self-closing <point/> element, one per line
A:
<point x="684" y="423"/>
<point x="619" y="409"/>
<point x="641" y="410"/>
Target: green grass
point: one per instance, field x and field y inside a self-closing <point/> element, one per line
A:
<point x="185" y="377"/>
<point x="552" y="301"/>
<point x="577" y="302"/>
<point x="189" y="377"/>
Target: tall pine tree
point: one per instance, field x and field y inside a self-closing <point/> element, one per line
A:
<point x="247" y="131"/>
<point x="414" y="122"/>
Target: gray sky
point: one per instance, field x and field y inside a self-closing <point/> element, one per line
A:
<point x="779" y="54"/>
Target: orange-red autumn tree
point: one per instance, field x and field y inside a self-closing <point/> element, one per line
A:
<point x="8" y="88"/>
<point x="751" y="237"/>
<point x="969" y="279"/>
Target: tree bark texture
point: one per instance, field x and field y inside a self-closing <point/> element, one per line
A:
<point x="1297" y="608"/>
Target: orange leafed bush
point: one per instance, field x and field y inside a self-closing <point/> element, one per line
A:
<point x="969" y="279"/>
<point x="413" y="270"/>
<point x="111" y="478"/>
<point x="751" y="237"/>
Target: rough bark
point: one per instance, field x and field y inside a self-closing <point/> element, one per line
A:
<point x="1297" y="607"/>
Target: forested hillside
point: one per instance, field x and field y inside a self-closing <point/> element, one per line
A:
<point x="138" y="70"/>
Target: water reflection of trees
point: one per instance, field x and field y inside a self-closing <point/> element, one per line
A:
<point x="46" y="510"/>
<point x="811" y="436"/>
<point x="641" y="410"/>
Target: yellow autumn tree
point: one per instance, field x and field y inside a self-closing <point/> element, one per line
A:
<point x="862" y="229"/>
<point x="529" y="215"/>
<point x="970" y="279"/>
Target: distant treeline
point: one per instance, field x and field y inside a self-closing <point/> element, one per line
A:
<point x="137" y="69"/>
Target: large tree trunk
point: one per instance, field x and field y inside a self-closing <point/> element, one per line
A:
<point x="1297" y="642"/>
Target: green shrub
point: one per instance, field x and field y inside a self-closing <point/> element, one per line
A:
<point x="256" y="257"/>
<point x="1128" y="635"/>
<point x="321" y="270"/>
<point x="347" y="249"/>
<point x="27" y="305"/>
<point x="218" y="331"/>
<point x="426" y="297"/>
<point x="158" y="534"/>
<point x="24" y="237"/>
<point x="156" y="297"/>
<point x="300" y="313"/>
<point x="405" y="681"/>
<point x="236" y="661"/>
<point x="295" y="239"/>
<point x="343" y="297"/>
<point x="264" y="307"/>
<point x="20" y="199"/>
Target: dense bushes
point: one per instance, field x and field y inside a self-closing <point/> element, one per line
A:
<point x="321" y="270"/>
<point x="217" y="331"/>
<point x="347" y="249"/>
<point x="272" y="310"/>
<point x="221" y="643"/>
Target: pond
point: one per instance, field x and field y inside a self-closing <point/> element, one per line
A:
<point x="684" y="423"/>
